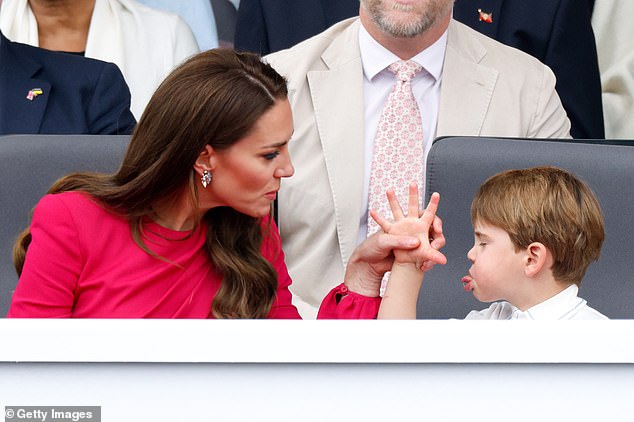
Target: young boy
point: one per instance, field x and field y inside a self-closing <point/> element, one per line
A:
<point x="536" y="231"/>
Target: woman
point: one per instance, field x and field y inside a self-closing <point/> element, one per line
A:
<point x="145" y="44"/>
<point x="182" y="230"/>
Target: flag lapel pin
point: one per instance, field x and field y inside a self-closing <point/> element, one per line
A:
<point x="485" y="17"/>
<point x="34" y="93"/>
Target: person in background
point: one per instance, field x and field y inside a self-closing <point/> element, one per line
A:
<point x="145" y="44"/>
<point x="265" y="27"/>
<point x="226" y="15"/>
<point x="57" y="93"/>
<point x="536" y="231"/>
<point x="559" y="34"/>
<point x="614" y="34"/>
<point x="198" y="14"/>
<point x="182" y="230"/>
<point x="369" y="96"/>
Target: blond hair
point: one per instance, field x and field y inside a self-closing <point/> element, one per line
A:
<point x="546" y="205"/>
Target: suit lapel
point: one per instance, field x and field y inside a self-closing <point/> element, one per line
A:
<point x="464" y="80"/>
<point x="337" y="95"/>
<point x="21" y="115"/>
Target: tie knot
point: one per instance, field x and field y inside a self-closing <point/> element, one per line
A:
<point x="405" y="70"/>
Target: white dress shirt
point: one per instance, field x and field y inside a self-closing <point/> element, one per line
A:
<point x="564" y="305"/>
<point x="378" y="82"/>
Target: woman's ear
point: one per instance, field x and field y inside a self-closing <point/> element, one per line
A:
<point x="206" y="160"/>
<point x="537" y="258"/>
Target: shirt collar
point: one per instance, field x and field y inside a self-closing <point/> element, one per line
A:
<point x="557" y="307"/>
<point x="375" y="57"/>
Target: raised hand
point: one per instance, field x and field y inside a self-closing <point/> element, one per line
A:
<point x="426" y="226"/>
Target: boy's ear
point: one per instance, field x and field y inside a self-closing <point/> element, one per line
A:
<point x="206" y="160"/>
<point x="537" y="258"/>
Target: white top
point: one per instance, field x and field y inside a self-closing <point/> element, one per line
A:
<point x="564" y="305"/>
<point x="146" y="44"/>
<point x="377" y="84"/>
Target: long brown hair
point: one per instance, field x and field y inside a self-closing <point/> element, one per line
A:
<point x="214" y="98"/>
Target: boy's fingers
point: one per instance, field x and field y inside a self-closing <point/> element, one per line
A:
<point x="397" y="211"/>
<point x="432" y="207"/>
<point x="413" y="207"/>
<point x="382" y="222"/>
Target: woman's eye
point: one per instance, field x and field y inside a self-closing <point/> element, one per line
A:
<point x="482" y="243"/>
<point x="271" y="155"/>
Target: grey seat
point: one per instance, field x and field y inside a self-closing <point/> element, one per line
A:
<point x="457" y="166"/>
<point x="29" y="166"/>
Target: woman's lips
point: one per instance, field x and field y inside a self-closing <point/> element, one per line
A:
<point x="271" y="195"/>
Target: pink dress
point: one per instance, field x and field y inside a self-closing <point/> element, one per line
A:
<point x="83" y="263"/>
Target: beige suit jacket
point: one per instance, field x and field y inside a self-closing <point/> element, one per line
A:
<point x="487" y="89"/>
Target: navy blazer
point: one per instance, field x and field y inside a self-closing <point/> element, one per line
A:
<point x="78" y="95"/>
<point x="266" y="26"/>
<point x="559" y="34"/>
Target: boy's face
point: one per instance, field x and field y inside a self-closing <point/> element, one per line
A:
<point x="496" y="266"/>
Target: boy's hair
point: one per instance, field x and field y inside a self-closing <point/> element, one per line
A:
<point x="547" y="205"/>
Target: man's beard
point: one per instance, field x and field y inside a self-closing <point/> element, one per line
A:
<point x="419" y="24"/>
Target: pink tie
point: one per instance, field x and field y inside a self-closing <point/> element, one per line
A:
<point x="397" y="158"/>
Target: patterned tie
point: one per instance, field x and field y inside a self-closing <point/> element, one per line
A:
<point x="397" y="158"/>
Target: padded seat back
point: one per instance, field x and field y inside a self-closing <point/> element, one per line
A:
<point x="457" y="166"/>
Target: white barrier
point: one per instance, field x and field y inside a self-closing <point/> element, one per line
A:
<point x="163" y="370"/>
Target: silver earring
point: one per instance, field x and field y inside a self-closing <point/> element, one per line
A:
<point x="206" y="178"/>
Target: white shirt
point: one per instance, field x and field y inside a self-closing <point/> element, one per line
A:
<point x="564" y="305"/>
<point x="378" y="81"/>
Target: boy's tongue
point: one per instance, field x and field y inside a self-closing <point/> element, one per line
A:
<point x="466" y="283"/>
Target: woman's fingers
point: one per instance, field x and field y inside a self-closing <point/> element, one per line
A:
<point x="436" y="235"/>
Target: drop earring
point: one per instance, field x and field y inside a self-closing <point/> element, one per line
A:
<point x="206" y="178"/>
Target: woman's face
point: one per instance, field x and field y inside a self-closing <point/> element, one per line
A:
<point x="247" y="175"/>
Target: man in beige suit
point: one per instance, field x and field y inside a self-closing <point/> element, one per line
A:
<point x="338" y="83"/>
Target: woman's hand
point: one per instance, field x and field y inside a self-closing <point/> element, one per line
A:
<point x="373" y="258"/>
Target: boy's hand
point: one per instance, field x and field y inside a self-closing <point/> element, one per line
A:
<point x="426" y="227"/>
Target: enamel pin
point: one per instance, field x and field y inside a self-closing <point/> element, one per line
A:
<point x="34" y="93"/>
<point x="484" y="16"/>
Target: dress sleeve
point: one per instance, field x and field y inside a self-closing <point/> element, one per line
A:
<point x="341" y="303"/>
<point x="52" y="266"/>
